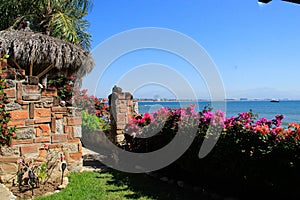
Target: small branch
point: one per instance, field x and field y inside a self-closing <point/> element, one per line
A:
<point x="31" y="68"/>
<point x="16" y="21"/>
<point x="15" y="62"/>
<point x="45" y="71"/>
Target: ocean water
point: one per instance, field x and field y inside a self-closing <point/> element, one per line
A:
<point x="289" y="109"/>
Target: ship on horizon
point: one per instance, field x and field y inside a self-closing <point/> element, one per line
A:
<point x="274" y="100"/>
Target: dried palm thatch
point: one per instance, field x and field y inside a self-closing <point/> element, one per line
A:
<point x="40" y="51"/>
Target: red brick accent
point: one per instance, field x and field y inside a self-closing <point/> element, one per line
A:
<point x="31" y="89"/>
<point x="16" y="123"/>
<point x="29" y="149"/>
<point x="74" y="140"/>
<point x="19" y="91"/>
<point x="42" y="112"/>
<point x="38" y="132"/>
<point x="74" y="121"/>
<point x="49" y="92"/>
<point x="46" y="133"/>
<point x="19" y="114"/>
<point x="9" y="159"/>
<point x="15" y="142"/>
<point x="42" y="140"/>
<point x="59" y="116"/>
<point x="66" y="129"/>
<point x="42" y="120"/>
<point x="59" y="138"/>
<point x="44" y="127"/>
<point x="59" y="109"/>
<point x="55" y="146"/>
<point x="53" y="125"/>
<point x="70" y="132"/>
<point x="10" y="93"/>
<point x="75" y="156"/>
<point x="29" y="122"/>
<point x="31" y="110"/>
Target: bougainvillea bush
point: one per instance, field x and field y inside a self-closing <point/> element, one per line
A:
<point x="248" y="148"/>
<point x="92" y="107"/>
<point x="6" y="133"/>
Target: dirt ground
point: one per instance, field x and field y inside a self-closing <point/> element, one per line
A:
<point x="26" y="191"/>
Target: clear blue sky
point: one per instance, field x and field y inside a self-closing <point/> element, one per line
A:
<point x="256" y="48"/>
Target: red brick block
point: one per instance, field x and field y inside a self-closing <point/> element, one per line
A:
<point x="42" y="112"/>
<point x="74" y="140"/>
<point x="17" y="123"/>
<point x="53" y="125"/>
<point x="46" y="133"/>
<point x="55" y="146"/>
<point x="58" y="138"/>
<point x="29" y="122"/>
<point x="70" y="132"/>
<point x="49" y="92"/>
<point x="74" y="121"/>
<point x="9" y="159"/>
<point x="29" y="149"/>
<point x="16" y="142"/>
<point x="75" y="156"/>
<point x="19" y="91"/>
<point x="19" y="114"/>
<point x="42" y="120"/>
<point x="59" y="116"/>
<point x="38" y="132"/>
<point x="59" y="109"/>
<point x="31" y="110"/>
<point x="42" y="140"/>
<point x="44" y="127"/>
<point x="10" y="93"/>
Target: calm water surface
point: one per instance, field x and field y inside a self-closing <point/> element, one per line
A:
<point x="290" y="109"/>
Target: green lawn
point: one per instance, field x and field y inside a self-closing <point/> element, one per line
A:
<point x="118" y="185"/>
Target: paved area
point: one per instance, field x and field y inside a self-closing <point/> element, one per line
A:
<point x="5" y="193"/>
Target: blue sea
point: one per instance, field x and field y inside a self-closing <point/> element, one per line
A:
<point x="289" y="109"/>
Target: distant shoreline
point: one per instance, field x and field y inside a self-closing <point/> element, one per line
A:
<point x="207" y="100"/>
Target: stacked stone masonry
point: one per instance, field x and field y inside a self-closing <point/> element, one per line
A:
<point x="39" y="120"/>
<point x="122" y="108"/>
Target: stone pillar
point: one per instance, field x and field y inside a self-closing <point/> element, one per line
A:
<point x="121" y="110"/>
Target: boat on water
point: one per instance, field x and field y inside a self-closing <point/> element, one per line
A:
<point x="274" y="100"/>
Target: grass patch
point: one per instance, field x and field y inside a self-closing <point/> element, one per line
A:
<point x="113" y="184"/>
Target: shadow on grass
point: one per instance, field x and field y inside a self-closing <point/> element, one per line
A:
<point x="142" y="185"/>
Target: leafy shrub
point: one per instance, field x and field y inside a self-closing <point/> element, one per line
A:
<point x="91" y="106"/>
<point x="90" y="122"/>
<point x="248" y="147"/>
<point x="6" y="133"/>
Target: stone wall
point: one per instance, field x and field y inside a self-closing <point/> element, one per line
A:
<point x="40" y="118"/>
<point x="122" y="108"/>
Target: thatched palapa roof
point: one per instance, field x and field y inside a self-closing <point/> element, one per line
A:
<point x="40" y="51"/>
